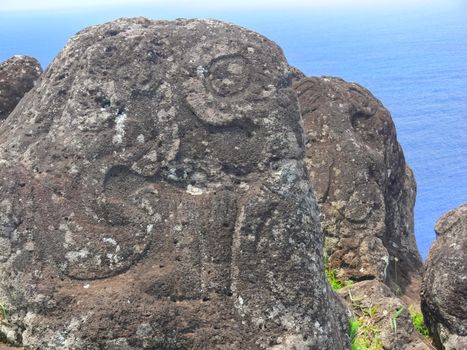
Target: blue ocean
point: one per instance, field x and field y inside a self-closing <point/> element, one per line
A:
<point x="414" y="59"/>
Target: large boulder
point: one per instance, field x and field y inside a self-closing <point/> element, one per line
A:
<point x="17" y="76"/>
<point x="444" y="287"/>
<point x="365" y="190"/>
<point x="154" y="196"/>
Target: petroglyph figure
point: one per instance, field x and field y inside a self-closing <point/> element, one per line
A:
<point x="159" y="199"/>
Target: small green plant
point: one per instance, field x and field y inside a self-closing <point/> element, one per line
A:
<point x="4" y="312"/>
<point x="394" y="319"/>
<point x="5" y="320"/>
<point x="364" y="335"/>
<point x="335" y="281"/>
<point x="371" y="311"/>
<point x="419" y="323"/>
<point x="353" y="330"/>
<point x="397" y="290"/>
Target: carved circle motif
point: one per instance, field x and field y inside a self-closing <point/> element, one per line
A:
<point x="218" y="94"/>
<point x="228" y="75"/>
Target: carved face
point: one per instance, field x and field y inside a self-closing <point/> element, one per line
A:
<point x="149" y="126"/>
<point x="187" y="121"/>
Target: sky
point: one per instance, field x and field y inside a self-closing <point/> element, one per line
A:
<point x="47" y="5"/>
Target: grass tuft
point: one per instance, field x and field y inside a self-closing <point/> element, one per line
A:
<point x="394" y="319"/>
<point x="419" y="324"/>
<point x="364" y="335"/>
<point x="335" y="281"/>
<point x="4" y="312"/>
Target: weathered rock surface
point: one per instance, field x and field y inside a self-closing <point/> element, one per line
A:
<point x="377" y="308"/>
<point x="444" y="288"/>
<point x="365" y="190"/>
<point x="17" y="76"/>
<point x="154" y="196"/>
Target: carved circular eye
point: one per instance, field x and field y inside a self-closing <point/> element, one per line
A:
<point x="229" y="75"/>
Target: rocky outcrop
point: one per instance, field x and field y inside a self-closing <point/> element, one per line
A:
<point x="17" y="76"/>
<point x="444" y="288"/>
<point x="154" y="196"/>
<point x="365" y="190"/>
